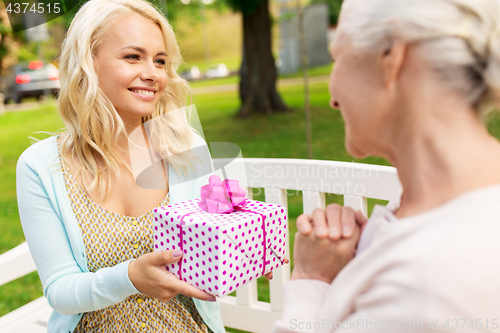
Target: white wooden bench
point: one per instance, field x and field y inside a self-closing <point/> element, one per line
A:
<point x="355" y="181"/>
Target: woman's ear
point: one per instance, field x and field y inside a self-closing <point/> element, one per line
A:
<point x="392" y="61"/>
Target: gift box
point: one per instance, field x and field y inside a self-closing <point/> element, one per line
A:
<point x="222" y="251"/>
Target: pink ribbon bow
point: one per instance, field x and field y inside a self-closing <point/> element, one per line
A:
<point x="221" y="197"/>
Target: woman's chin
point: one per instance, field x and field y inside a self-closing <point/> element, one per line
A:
<point x="355" y="151"/>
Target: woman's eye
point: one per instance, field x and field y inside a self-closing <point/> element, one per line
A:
<point x="132" y="56"/>
<point x="136" y="56"/>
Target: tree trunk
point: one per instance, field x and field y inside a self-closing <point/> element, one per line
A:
<point x="258" y="72"/>
<point x="3" y="40"/>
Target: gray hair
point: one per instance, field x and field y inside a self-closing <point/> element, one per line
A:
<point x="461" y="39"/>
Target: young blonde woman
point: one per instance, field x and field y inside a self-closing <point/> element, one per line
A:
<point x="88" y="225"/>
<point x="413" y="80"/>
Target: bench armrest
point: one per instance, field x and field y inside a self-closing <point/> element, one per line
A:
<point x="16" y="263"/>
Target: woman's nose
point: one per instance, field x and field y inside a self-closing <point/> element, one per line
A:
<point x="333" y="103"/>
<point x="149" y="71"/>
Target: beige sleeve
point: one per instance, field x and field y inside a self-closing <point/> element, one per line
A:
<point x="303" y="300"/>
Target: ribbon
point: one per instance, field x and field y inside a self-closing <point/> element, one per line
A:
<point x="181" y="239"/>
<point x="221" y="197"/>
<point x="264" y="233"/>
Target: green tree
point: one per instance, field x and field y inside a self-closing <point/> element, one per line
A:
<point x="9" y="43"/>
<point x="258" y="72"/>
<point x="4" y="32"/>
<point x="334" y="6"/>
<point x="169" y="8"/>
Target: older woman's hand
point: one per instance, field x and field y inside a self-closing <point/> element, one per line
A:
<point x="326" y="242"/>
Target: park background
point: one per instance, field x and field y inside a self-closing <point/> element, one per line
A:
<point x="280" y="134"/>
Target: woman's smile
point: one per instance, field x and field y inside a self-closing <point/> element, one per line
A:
<point x="147" y="95"/>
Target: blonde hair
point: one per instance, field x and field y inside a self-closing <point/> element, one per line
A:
<point x="460" y="39"/>
<point x="93" y="124"/>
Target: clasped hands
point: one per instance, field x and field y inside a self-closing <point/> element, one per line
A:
<point x="326" y="241"/>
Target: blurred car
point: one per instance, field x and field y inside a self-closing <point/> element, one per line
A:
<point x="31" y="79"/>
<point x="219" y="71"/>
<point x="192" y="74"/>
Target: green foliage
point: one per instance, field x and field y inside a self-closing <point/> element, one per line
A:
<point x="175" y="9"/>
<point x="180" y="14"/>
<point x="4" y="31"/>
<point x="4" y="28"/>
<point x="29" y="51"/>
<point x="247" y="7"/>
<point x="334" y="6"/>
<point x="5" y="44"/>
<point x="171" y="9"/>
<point x="48" y="49"/>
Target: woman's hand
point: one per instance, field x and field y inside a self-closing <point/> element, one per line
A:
<point x="269" y="275"/>
<point x="149" y="276"/>
<point x="326" y="242"/>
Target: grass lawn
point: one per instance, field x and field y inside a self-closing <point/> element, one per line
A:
<point x="276" y="136"/>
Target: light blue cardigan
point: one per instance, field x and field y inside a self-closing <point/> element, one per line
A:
<point x="55" y="241"/>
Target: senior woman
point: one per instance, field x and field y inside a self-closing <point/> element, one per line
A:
<point x="413" y="80"/>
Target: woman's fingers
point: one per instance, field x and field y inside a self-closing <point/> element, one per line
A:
<point x="188" y="290"/>
<point x="320" y="225"/>
<point x="269" y="275"/>
<point x="335" y="222"/>
<point x="304" y="224"/>
<point x="333" y="212"/>
<point x="163" y="257"/>
<point x="150" y="277"/>
<point x="348" y="221"/>
<point x="361" y="220"/>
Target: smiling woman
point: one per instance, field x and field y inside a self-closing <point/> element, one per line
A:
<point x="88" y="224"/>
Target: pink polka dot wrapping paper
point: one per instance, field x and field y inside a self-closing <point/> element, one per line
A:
<point x="222" y="252"/>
